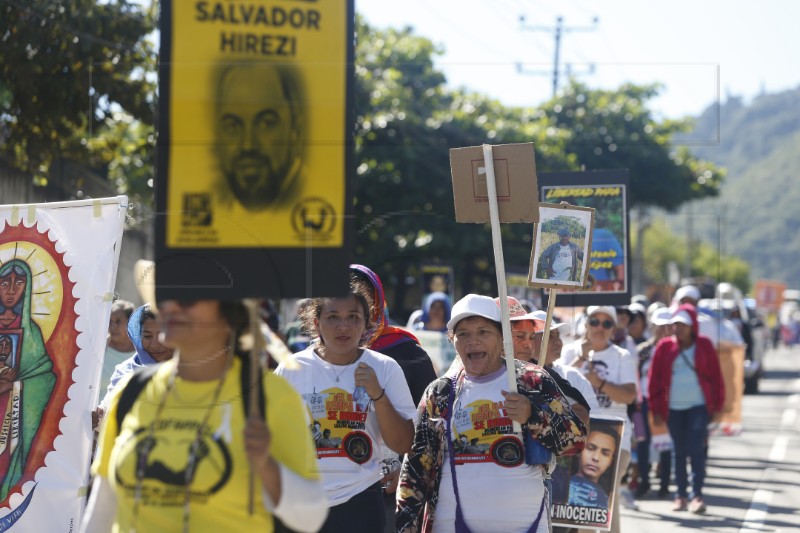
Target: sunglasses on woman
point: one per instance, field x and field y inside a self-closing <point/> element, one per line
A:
<point x="607" y="324"/>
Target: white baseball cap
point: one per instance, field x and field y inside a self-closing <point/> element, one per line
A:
<point x="562" y="327"/>
<point x="687" y="291"/>
<point x="607" y="309"/>
<point x="637" y="308"/>
<point x="681" y="317"/>
<point x="473" y="305"/>
<point x="661" y="317"/>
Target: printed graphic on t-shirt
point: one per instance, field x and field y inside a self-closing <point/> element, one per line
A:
<point x="585" y="493"/>
<point x="484" y="433"/>
<point x="562" y="264"/>
<point x="165" y="459"/>
<point x="602" y="371"/>
<point x="339" y="425"/>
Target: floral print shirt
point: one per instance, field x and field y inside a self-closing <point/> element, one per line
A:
<point x="553" y="424"/>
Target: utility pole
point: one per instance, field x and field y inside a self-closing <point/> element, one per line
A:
<point x="557" y="31"/>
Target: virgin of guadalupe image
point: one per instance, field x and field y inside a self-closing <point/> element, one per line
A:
<point x="25" y="398"/>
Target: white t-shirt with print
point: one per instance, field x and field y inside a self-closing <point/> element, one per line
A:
<point x="347" y="436"/>
<point x="483" y="437"/>
<point x="562" y="264"/>
<point x="579" y="381"/>
<point x="615" y="365"/>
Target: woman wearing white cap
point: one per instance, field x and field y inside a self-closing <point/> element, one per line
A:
<point x="179" y="440"/>
<point x="686" y="390"/>
<point x="612" y="372"/>
<point x="466" y="471"/>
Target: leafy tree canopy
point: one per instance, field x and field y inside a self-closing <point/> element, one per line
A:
<point x="662" y="247"/>
<point x="615" y="129"/>
<point x="68" y="70"/>
<point x="408" y="119"/>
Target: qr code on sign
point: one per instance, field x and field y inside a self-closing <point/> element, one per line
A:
<point x="197" y="209"/>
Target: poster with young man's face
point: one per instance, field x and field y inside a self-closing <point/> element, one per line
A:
<point x="584" y="485"/>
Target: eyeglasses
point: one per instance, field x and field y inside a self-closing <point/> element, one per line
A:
<point x="607" y="324"/>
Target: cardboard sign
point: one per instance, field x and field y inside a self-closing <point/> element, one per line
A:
<point x="769" y="294"/>
<point x="515" y="175"/>
<point x="255" y="146"/>
<point x="731" y="362"/>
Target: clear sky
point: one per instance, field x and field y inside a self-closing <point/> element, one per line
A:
<point x="698" y="49"/>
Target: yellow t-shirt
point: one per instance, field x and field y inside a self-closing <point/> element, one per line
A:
<point x="219" y="489"/>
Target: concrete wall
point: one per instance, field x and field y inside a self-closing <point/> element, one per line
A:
<point x="137" y="242"/>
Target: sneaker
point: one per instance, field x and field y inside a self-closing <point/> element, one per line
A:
<point x="679" y="504"/>
<point x="697" y="506"/>
<point x="627" y="499"/>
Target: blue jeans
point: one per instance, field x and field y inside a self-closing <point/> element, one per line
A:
<point x="689" y="431"/>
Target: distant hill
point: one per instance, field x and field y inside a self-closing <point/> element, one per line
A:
<point x="757" y="215"/>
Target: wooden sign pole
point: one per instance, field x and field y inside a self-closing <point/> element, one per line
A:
<point x="551" y="304"/>
<point x="500" y="269"/>
<point x="254" y="407"/>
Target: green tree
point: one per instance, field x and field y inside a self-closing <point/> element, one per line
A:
<point x="615" y="129"/>
<point x="407" y="121"/>
<point x="662" y="247"/>
<point x="68" y="70"/>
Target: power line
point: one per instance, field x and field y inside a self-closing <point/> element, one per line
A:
<point x="557" y="31"/>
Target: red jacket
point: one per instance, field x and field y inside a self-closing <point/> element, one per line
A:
<point x="706" y="364"/>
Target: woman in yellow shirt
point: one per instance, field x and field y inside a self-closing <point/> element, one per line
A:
<point x="180" y="457"/>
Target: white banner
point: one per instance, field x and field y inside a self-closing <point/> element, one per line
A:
<point x="439" y="348"/>
<point x="58" y="265"/>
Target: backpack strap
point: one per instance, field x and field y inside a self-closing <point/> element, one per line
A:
<point x="143" y="375"/>
<point x="132" y="390"/>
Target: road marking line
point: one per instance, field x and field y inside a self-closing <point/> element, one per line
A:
<point x="794" y="399"/>
<point x="759" y="505"/>
<point x="788" y="418"/>
<point x="778" y="451"/>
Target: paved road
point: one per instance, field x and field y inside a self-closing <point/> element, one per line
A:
<point x="753" y="481"/>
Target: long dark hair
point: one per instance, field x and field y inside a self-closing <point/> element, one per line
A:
<point x="235" y="313"/>
<point x="313" y="311"/>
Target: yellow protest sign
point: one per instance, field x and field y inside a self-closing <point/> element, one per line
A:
<point x="256" y="129"/>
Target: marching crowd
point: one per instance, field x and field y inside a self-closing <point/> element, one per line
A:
<point x="356" y="432"/>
